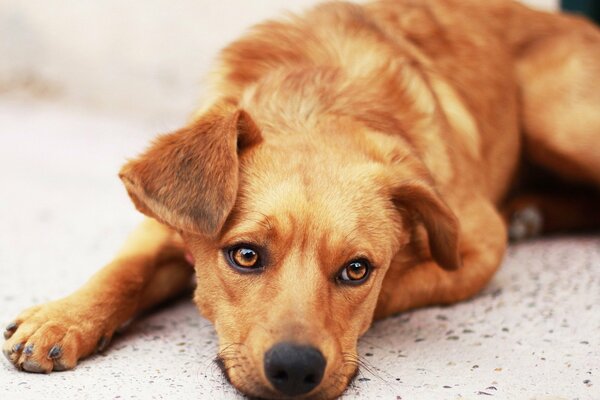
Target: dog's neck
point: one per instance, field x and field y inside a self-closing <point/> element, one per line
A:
<point x="313" y="103"/>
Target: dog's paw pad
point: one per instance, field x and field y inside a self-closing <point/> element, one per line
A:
<point x="32" y="366"/>
<point x="60" y="366"/>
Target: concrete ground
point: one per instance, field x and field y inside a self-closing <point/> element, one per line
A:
<point x="534" y="333"/>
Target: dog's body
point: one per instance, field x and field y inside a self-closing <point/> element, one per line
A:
<point x="375" y="141"/>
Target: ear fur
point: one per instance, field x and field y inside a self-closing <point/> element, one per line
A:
<point x="440" y="222"/>
<point x="189" y="179"/>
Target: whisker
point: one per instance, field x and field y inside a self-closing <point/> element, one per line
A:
<point x="363" y="364"/>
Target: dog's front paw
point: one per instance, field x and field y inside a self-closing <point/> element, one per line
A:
<point x="53" y="336"/>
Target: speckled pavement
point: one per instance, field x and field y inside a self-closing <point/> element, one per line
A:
<point x="534" y="333"/>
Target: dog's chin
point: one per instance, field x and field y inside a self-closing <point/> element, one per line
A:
<point x="334" y="387"/>
<point x="247" y="384"/>
<point x="252" y="388"/>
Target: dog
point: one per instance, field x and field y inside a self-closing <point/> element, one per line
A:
<point x="349" y="163"/>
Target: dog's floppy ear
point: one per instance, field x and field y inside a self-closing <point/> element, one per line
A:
<point x="189" y="179"/>
<point x="440" y="222"/>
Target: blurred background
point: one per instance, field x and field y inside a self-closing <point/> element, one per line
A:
<point x="144" y="59"/>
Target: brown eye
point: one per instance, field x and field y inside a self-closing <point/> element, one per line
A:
<point x="244" y="257"/>
<point x="355" y="272"/>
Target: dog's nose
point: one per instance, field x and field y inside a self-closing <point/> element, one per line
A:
<point x="293" y="369"/>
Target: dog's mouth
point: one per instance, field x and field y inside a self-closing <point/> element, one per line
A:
<point x="352" y="377"/>
<point x="220" y="362"/>
<point x="333" y="387"/>
<point x="233" y="365"/>
<point x="248" y="390"/>
<point x="189" y="257"/>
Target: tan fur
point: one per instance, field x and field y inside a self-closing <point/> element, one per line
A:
<point x="390" y="131"/>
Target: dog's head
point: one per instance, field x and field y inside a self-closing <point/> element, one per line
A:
<point x="292" y="236"/>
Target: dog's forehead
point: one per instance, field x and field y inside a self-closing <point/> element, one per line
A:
<point x="324" y="185"/>
<point x="329" y="206"/>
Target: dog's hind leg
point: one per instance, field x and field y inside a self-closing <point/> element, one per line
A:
<point x="532" y="214"/>
<point x="483" y="241"/>
<point x="150" y="268"/>
<point x="559" y="77"/>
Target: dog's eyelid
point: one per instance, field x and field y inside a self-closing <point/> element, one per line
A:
<point x="240" y="242"/>
<point x="236" y="236"/>
<point x="361" y="258"/>
<point x="245" y="240"/>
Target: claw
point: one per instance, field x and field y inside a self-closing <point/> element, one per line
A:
<point x="28" y="350"/>
<point x="102" y="343"/>
<point x="10" y="329"/>
<point x="55" y="352"/>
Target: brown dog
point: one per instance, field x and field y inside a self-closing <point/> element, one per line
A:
<point x="350" y="165"/>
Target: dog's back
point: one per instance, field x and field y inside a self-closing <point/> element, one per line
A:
<point x="462" y="57"/>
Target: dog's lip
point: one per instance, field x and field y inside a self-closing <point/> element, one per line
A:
<point x="189" y="257"/>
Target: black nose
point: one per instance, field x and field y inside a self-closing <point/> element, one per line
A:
<point x="294" y="369"/>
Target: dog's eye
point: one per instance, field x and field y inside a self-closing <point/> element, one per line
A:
<point x="355" y="272"/>
<point x="244" y="257"/>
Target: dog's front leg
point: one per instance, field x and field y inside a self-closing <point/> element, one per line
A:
<point x="150" y="268"/>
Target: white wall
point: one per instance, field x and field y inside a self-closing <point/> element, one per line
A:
<point x="544" y="4"/>
<point x="143" y="56"/>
